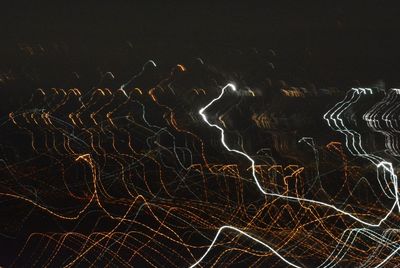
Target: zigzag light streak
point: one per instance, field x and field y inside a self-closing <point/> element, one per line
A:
<point x="339" y="108"/>
<point x="97" y="129"/>
<point x="334" y="115"/>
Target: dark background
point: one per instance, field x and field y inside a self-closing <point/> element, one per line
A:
<point x="328" y="43"/>
<point x="332" y="41"/>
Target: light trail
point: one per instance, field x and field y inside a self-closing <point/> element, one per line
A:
<point x="349" y="99"/>
<point x="247" y="235"/>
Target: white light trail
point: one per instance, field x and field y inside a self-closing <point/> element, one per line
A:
<point x="247" y="235"/>
<point x="355" y="149"/>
